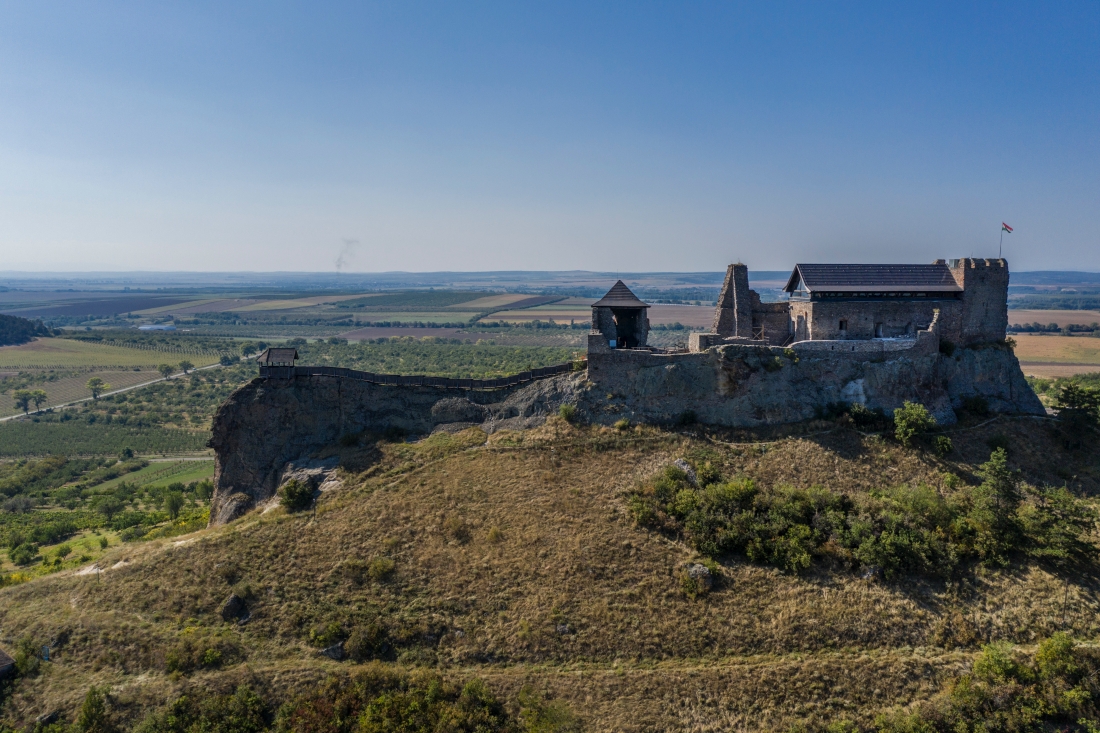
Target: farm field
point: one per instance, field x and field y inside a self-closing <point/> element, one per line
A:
<point x="70" y="389"/>
<point x="162" y="473"/>
<point x="1062" y="317"/>
<point x="60" y="353"/>
<point x="439" y="316"/>
<point x="274" y="305"/>
<point x="1057" y="349"/>
<point x="695" y="317"/>
<point x="77" y="437"/>
<point x="491" y="301"/>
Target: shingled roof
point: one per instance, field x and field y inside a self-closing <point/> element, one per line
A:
<point x="619" y="296"/>
<point x="278" y="356"/>
<point x="872" y="278"/>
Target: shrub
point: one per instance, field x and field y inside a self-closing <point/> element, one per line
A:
<point x="900" y="531"/>
<point x="370" y="641"/>
<point x="568" y="412"/>
<point x="456" y="528"/>
<point x="623" y="424"/>
<point x="911" y="421"/>
<point x="349" y="440"/>
<point x="495" y="536"/>
<point x="381" y="569"/>
<point x="24" y="554"/>
<point x="947" y="348"/>
<point x="976" y="405"/>
<point x="242" y="712"/>
<point x="296" y="496"/>
<point x="93" y="716"/>
<point x="103" y="542"/>
<point x="687" y="417"/>
<point x="943" y="445"/>
<point x="999" y="442"/>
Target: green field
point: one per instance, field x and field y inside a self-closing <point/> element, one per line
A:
<point x="163" y="473"/>
<point x="27" y="438"/>
<point x="69" y="389"/>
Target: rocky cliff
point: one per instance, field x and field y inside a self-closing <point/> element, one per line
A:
<point x="270" y="429"/>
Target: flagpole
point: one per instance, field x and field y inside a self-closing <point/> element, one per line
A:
<point x="1000" y="242"/>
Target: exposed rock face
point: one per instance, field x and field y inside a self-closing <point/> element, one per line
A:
<point x="268" y="430"/>
<point x="747" y="386"/>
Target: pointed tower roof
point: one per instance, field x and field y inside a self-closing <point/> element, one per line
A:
<point x="619" y="296"/>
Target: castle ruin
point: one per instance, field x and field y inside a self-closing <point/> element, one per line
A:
<point x="874" y="335"/>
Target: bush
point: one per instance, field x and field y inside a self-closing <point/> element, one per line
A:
<point x="24" y="554"/>
<point x="242" y="712"/>
<point x="568" y="412"/>
<point x="93" y="713"/>
<point x="1057" y="689"/>
<point x="911" y="421"/>
<point x="296" y="496"/>
<point x="381" y="569"/>
<point x="976" y="405"/>
<point x="900" y="531"/>
<point x="943" y="445"/>
<point x="623" y="424"/>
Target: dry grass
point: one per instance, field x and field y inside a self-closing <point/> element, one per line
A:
<point x="516" y="555"/>
<point x="1057" y="349"/>
<point x="1062" y="317"/>
<point x="51" y="353"/>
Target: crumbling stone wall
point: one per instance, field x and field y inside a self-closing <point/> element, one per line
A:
<point x="745" y="386"/>
<point x="269" y="423"/>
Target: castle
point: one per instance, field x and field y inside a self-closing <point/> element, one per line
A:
<point x="875" y="335"/>
<point x="965" y="301"/>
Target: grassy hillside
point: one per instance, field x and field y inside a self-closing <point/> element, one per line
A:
<point x="515" y="559"/>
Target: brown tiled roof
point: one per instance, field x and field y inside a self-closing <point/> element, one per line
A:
<point x="619" y="296"/>
<point x="872" y="278"/>
<point x="278" y="356"/>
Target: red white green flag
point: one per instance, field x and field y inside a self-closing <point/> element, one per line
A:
<point x="1006" y="228"/>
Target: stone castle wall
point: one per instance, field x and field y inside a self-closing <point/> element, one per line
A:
<point x="984" y="313"/>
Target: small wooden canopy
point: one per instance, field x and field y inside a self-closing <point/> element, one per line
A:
<point x="619" y="296"/>
<point x="278" y="357"/>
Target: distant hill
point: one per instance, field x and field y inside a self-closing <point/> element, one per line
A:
<point x="16" y="330"/>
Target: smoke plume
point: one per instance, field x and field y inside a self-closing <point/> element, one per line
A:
<point x="347" y="253"/>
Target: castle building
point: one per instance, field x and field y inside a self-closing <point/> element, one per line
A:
<point x="966" y="299"/>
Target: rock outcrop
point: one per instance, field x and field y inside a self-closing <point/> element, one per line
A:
<point x="271" y="429"/>
<point x="268" y="430"/>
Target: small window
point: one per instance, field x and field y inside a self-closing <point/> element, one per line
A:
<point x="843" y="324"/>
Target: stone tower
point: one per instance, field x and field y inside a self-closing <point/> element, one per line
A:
<point x="984" y="316"/>
<point x="733" y="317"/>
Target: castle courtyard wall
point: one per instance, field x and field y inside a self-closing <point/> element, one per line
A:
<point x="898" y="317"/>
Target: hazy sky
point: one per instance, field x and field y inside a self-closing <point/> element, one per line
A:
<point x="472" y="136"/>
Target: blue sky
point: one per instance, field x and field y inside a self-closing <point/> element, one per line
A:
<point x="471" y="136"/>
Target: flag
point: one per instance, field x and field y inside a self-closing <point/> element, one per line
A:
<point x="1006" y="228"/>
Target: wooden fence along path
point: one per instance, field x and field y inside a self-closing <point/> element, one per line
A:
<point x="274" y="372"/>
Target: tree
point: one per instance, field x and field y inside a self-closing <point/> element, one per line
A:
<point x="992" y="516"/>
<point x="38" y="396"/>
<point x="22" y="399"/>
<point x="97" y="387"/>
<point x="165" y="370"/>
<point x="248" y="348"/>
<point x="173" y="503"/>
<point x="109" y="506"/>
<point x="295" y="495"/>
<point x="912" y="420"/>
<point x="93" y="713"/>
<point x="126" y="454"/>
<point x="186" y="366"/>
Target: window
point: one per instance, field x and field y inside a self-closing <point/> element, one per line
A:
<point x="843" y="325"/>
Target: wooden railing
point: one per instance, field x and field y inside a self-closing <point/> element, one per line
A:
<point x="400" y="380"/>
